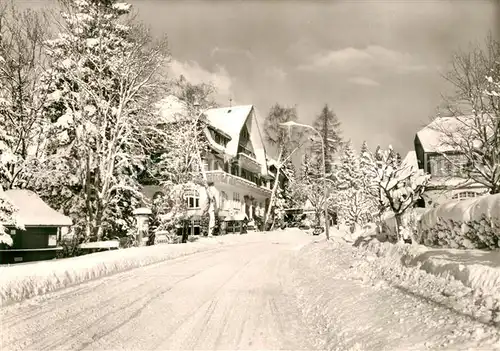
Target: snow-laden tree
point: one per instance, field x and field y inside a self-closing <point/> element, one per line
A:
<point x="399" y="185"/>
<point x="178" y="157"/>
<point x="367" y="176"/>
<point x="355" y="207"/>
<point x="328" y="126"/>
<point x="309" y="186"/>
<point x="349" y="173"/>
<point x="285" y="141"/>
<point x="7" y="216"/>
<point x="354" y="202"/>
<point x="103" y="80"/>
<point x="471" y="136"/>
<point x="21" y="99"/>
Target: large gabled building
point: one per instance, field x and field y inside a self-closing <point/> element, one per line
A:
<point x="236" y="167"/>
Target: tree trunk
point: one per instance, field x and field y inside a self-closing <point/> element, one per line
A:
<point x="88" y="203"/>
<point x="210" y="198"/>
<point x="273" y="193"/>
<point x="399" y="223"/>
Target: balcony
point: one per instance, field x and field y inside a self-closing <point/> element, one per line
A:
<point x="221" y="177"/>
<point x="248" y="162"/>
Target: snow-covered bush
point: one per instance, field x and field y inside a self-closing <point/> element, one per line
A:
<point x="398" y="185"/>
<point x="409" y="221"/>
<point x="466" y="224"/>
<point x="7" y="216"/>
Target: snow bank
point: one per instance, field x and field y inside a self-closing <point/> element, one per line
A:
<point x="26" y="280"/>
<point x="379" y="294"/>
<point x="465" y="224"/>
<point x="476" y="269"/>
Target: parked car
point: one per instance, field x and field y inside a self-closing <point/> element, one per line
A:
<point x="318" y="230"/>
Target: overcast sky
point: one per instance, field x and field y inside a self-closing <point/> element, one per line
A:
<point x="376" y="63"/>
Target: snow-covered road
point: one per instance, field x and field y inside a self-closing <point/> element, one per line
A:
<point x="256" y="295"/>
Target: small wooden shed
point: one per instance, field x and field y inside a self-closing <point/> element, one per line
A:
<point x="41" y="236"/>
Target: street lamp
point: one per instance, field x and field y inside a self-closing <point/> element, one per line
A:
<point x="325" y="190"/>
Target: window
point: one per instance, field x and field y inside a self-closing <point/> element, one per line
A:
<point x="447" y="166"/>
<point x="218" y="164"/>
<point x="223" y="199"/>
<point x="236" y="201"/>
<point x="464" y="195"/>
<point x="192" y="198"/>
<point x="219" y="139"/>
<point x="244" y="134"/>
<point x="234" y="169"/>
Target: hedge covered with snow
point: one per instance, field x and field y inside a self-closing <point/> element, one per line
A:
<point x="462" y="224"/>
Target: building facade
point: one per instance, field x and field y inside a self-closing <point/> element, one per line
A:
<point x="438" y="158"/>
<point x="40" y="239"/>
<point x="239" y="175"/>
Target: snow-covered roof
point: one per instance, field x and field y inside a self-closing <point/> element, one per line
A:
<point x="411" y="160"/>
<point x="33" y="211"/>
<point x="230" y="120"/>
<point x="436" y="136"/>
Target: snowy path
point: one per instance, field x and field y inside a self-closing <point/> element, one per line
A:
<point x="258" y="295"/>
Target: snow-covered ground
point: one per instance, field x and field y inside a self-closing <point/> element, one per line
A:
<point x="358" y="301"/>
<point x="280" y="290"/>
<point x="22" y="281"/>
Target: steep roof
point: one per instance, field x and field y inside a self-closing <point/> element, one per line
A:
<point x="33" y="211"/>
<point x="435" y="137"/>
<point x="411" y="160"/>
<point x="230" y="120"/>
<point x="227" y="120"/>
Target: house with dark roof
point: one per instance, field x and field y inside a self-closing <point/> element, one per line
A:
<point x="42" y="229"/>
<point x="435" y="154"/>
<point x="236" y="166"/>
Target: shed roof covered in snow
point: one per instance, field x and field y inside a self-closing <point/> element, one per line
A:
<point x="32" y="211"/>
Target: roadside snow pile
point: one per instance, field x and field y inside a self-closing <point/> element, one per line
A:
<point x="351" y="298"/>
<point x="477" y="271"/>
<point x="462" y="224"/>
<point x="26" y="280"/>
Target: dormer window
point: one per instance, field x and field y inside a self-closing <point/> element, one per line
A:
<point x="244" y="134"/>
<point x="219" y="138"/>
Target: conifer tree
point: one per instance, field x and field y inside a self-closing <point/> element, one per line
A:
<point x="103" y="80"/>
<point x="328" y="125"/>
